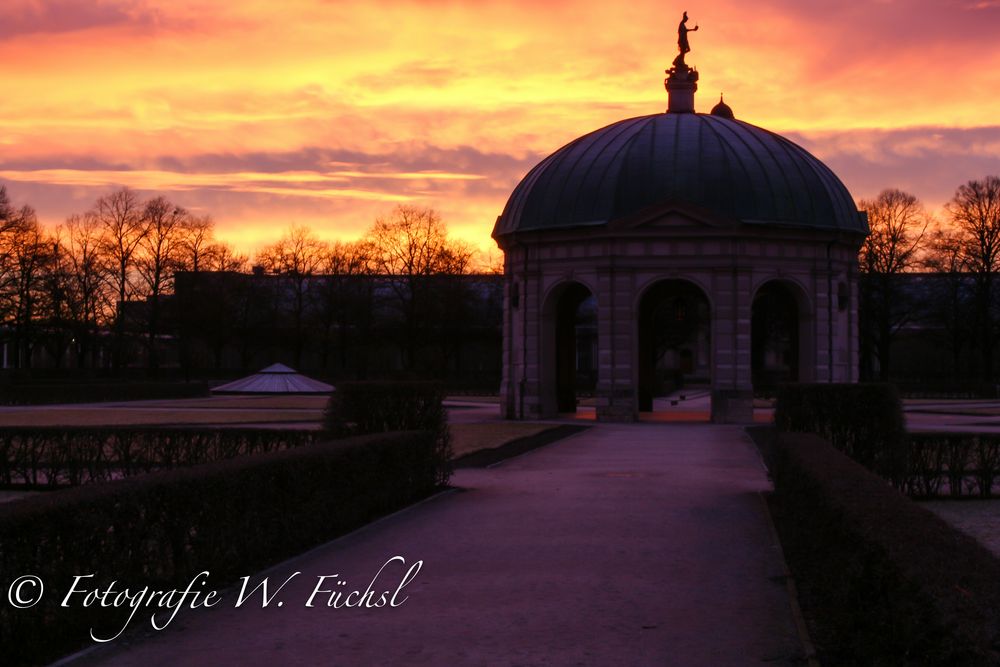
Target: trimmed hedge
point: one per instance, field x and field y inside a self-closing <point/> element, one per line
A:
<point x="231" y="518"/>
<point x="37" y="393"/>
<point x="359" y="408"/>
<point x="895" y="583"/>
<point x="50" y="456"/>
<point x="865" y="421"/>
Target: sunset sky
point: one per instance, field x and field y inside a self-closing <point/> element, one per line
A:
<point x="328" y="113"/>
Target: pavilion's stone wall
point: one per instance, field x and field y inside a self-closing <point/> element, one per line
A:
<point x="728" y="263"/>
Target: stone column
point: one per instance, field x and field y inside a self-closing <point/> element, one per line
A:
<point x="616" y="322"/>
<point x="508" y="381"/>
<point x="732" y="387"/>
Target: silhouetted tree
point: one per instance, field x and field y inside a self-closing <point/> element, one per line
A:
<point x="949" y="304"/>
<point x="975" y="213"/>
<point x="897" y="222"/>
<point x="343" y="304"/>
<point x="158" y="257"/>
<point x="26" y="256"/>
<point x="123" y="228"/>
<point x="297" y="256"/>
<point x="206" y="308"/>
<point x="87" y="284"/>
<point x="9" y="221"/>
<point x="223" y="257"/>
<point x="197" y="244"/>
<point x="412" y="244"/>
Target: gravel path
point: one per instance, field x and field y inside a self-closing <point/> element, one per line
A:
<point x="977" y="518"/>
<point x="636" y="544"/>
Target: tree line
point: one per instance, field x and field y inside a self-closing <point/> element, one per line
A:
<point x="956" y="302"/>
<point x="63" y="287"/>
<point x="70" y="288"/>
<point x="403" y="290"/>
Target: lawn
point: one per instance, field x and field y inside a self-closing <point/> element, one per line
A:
<point x="65" y="416"/>
<point x="293" y="411"/>
<point x="468" y="438"/>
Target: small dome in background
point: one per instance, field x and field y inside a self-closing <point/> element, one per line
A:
<point x="722" y="109"/>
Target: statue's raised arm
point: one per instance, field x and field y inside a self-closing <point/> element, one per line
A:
<point x="682" y="35"/>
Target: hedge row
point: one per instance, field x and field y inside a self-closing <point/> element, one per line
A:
<point x="359" y="408"/>
<point x="956" y="462"/>
<point x="230" y="517"/>
<point x="50" y="456"/>
<point x="97" y="392"/>
<point x="896" y="584"/>
<point x="865" y="421"/>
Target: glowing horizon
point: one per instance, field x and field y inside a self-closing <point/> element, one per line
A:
<point x="328" y="114"/>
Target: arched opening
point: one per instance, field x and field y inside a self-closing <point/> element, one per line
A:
<point x="570" y="348"/>
<point x="675" y="350"/>
<point x="775" y="337"/>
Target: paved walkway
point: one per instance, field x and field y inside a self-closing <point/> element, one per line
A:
<point x="626" y="544"/>
<point x="977" y="416"/>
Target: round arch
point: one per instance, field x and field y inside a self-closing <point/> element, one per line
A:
<point x="782" y="344"/>
<point x="673" y="319"/>
<point x="795" y="286"/>
<point x="643" y="289"/>
<point x="569" y="346"/>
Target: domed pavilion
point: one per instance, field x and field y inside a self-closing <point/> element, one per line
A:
<point x="676" y="250"/>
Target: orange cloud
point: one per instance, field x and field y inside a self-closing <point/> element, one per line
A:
<point x="230" y="106"/>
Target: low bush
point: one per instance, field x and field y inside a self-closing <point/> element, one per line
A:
<point x="962" y="462"/>
<point x="231" y="518"/>
<point x="359" y="408"/>
<point x="50" y="456"/>
<point x="895" y="584"/>
<point x="36" y="393"/>
<point x="865" y="421"/>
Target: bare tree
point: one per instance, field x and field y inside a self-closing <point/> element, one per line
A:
<point x="975" y="213"/>
<point x="157" y="258"/>
<point x="898" y="224"/>
<point x="197" y="243"/>
<point x="7" y="212"/>
<point x="297" y="256"/>
<point x="26" y="256"/>
<point x="343" y="303"/>
<point x="87" y="282"/>
<point x="30" y="254"/>
<point x="9" y="221"/>
<point x="223" y="257"/>
<point x="411" y="245"/>
<point x="123" y="227"/>
<point x="949" y="295"/>
<point x="491" y="262"/>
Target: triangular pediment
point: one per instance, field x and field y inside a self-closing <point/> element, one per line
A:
<point x="674" y="215"/>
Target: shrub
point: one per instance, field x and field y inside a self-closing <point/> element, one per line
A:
<point x="895" y="584"/>
<point x="358" y="408"/>
<point x="865" y="421"/>
<point x="50" y="456"/>
<point x="966" y="461"/>
<point x="230" y="517"/>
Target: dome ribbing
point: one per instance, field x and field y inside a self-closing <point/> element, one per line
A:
<point x="733" y="169"/>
